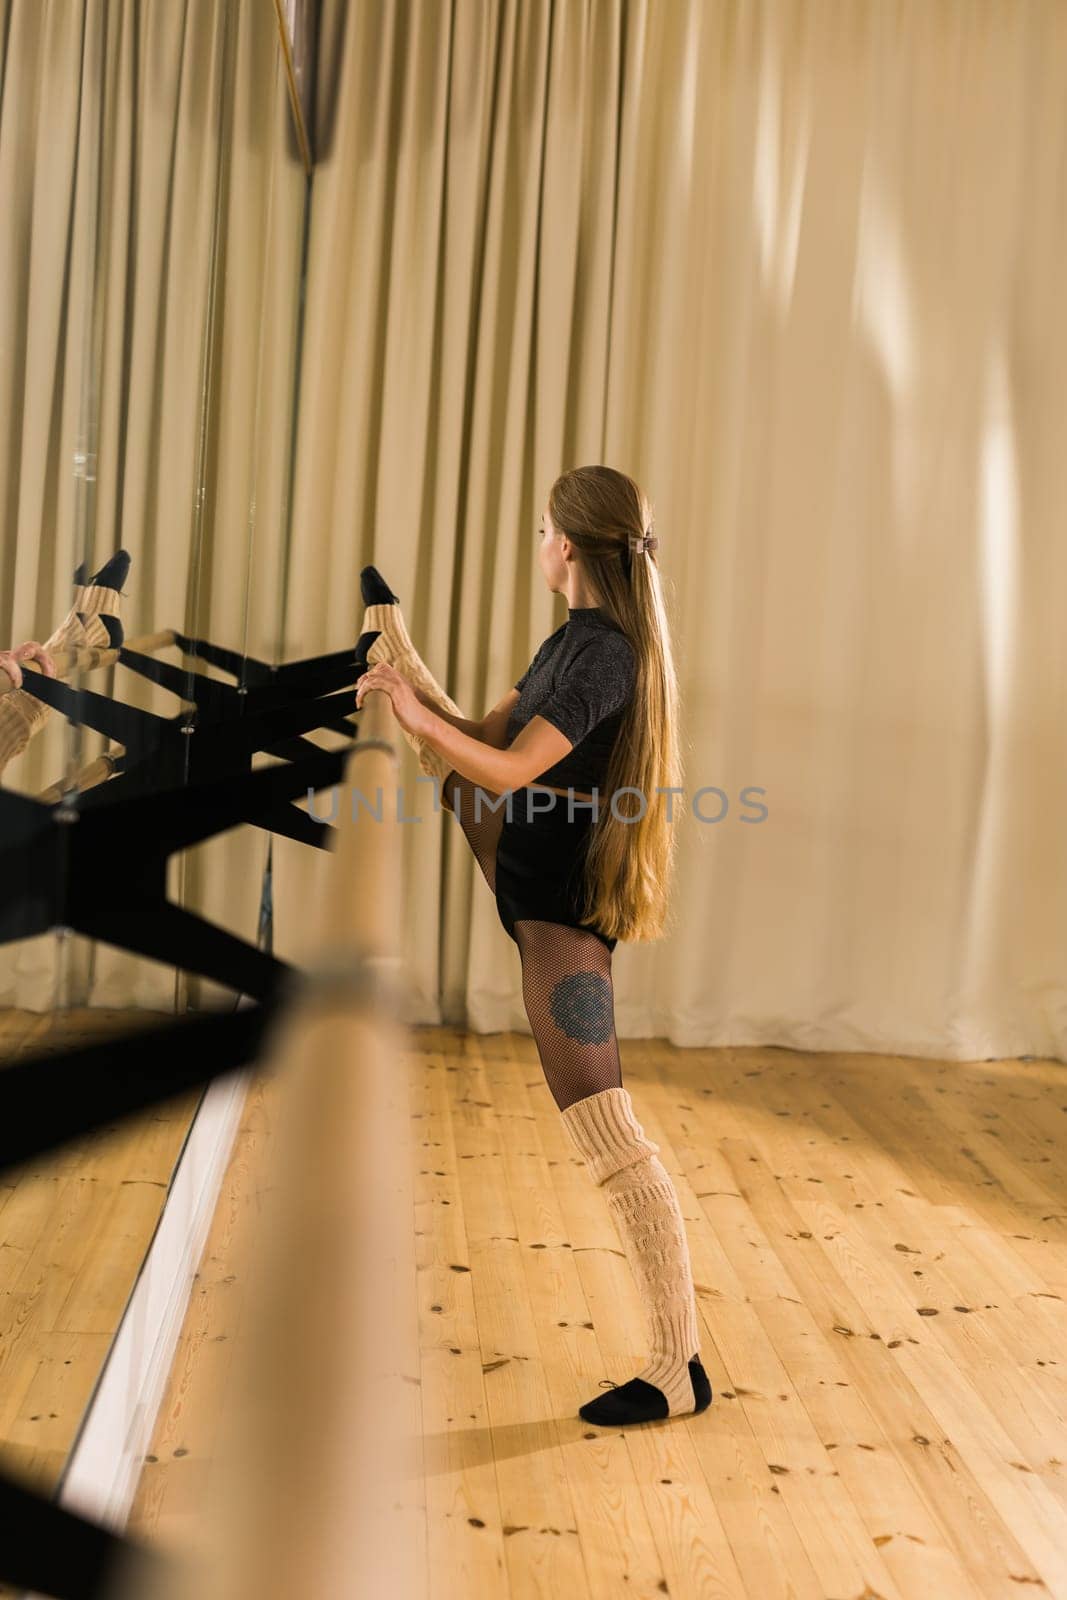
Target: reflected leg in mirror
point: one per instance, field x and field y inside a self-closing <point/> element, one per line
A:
<point x="92" y="623"/>
<point x="97" y="603"/>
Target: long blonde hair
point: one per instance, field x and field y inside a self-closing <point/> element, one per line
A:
<point x="629" y="864"/>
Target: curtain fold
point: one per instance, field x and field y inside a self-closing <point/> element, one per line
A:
<point x="796" y="269"/>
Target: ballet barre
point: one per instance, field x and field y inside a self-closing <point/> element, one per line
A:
<point x="318" y="1485"/>
<point x="91" y="659"/>
<point x="318" y="1481"/>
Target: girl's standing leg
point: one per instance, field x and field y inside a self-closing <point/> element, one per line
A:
<point x="569" y="997"/>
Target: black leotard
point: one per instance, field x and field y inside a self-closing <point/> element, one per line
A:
<point x="581" y="680"/>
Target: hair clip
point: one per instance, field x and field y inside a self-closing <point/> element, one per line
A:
<point x="647" y="542"/>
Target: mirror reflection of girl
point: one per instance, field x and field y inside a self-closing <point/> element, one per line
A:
<point x="595" y="713"/>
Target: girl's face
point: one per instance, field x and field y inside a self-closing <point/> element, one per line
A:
<point x="550" y="554"/>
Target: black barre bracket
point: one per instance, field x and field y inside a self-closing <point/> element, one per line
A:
<point x="51" y="1550"/>
<point x="58" y="867"/>
<point x="171" y="752"/>
<point x="248" y="671"/>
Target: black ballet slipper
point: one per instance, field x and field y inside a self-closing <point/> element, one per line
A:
<point x="113" y="573"/>
<point x="112" y="576"/>
<point x="638" y="1401"/>
<point x="116" y="633"/>
<point x="701" y="1385"/>
<point x="375" y="590"/>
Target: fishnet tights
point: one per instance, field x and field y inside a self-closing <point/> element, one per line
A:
<point x="566" y="972"/>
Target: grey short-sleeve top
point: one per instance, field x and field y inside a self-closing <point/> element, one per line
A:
<point x="581" y="680"/>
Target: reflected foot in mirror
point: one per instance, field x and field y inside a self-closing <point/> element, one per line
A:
<point x="394" y="645"/>
<point x="97" y="602"/>
<point x="92" y="622"/>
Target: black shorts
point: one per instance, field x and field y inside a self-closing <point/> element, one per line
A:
<point x="540" y="859"/>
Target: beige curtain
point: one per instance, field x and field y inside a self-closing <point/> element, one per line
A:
<point x="148" y="306"/>
<point x="796" y="267"/>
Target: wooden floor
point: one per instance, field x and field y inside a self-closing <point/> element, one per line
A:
<point x="880" y="1249"/>
<point x="74" y="1229"/>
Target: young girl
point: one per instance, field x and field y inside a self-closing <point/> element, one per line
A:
<point x="561" y="791"/>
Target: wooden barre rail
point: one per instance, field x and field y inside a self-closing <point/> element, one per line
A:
<point x="68" y="662"/>
<point x="318" y="1492"/>
<point x="98" y="771"/>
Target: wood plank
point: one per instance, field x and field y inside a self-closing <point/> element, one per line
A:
<point x="870" y="1305"/>
<point x="74" y="1228"/>
<point x="465" y="1547"/>
<point x="532" y="1488"/>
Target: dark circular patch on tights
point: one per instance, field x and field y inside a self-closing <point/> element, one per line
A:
<point x="582" y="1007"/>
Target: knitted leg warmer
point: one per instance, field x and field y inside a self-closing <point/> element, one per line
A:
<point x="84" y="627"/>
<point x="394" y="645"/>
<point x="644" y="1205"/>
<point x="20" y="717"/>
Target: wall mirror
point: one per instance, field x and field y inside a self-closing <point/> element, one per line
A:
<point x="155" y="310"/>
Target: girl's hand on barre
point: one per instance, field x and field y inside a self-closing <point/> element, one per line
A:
<point x="407" y="708"/>
<point x="30" y="651"/>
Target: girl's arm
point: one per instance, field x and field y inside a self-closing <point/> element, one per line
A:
<point x="538" y="746"/>
<point x="495" y="722"/>
<point x="464" y="724"/>
<point x="535" y="748"/>
<point x="491" y="729"/>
